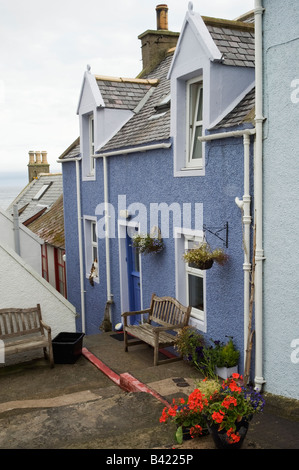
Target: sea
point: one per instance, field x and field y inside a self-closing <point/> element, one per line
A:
<point x="11" y="184"/>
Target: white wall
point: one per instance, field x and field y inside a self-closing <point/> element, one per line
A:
<point x="30" y="244"/>
<point x="22" y="287"/>
<point x="281" y="197"/>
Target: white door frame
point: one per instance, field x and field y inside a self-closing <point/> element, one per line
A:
<point x="123" y="269"/>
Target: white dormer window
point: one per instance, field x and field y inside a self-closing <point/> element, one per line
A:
<point x="194" y="123"/>
<point x="91" y="143"/>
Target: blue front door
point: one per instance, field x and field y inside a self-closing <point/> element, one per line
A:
<point x="133" y="279"/>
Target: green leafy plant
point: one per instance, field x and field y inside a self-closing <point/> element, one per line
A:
<point x="203" y="257"/>
<point x="189" y="343"/>
<point x="148" y="244"/>
<point x="226" y="355"/>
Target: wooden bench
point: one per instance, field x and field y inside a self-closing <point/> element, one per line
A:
<point x="164" y="317"/>
<point x="22" y="329"/>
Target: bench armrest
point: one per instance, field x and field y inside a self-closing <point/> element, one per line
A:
<point x="157" y="329"/>
<point x="138" y="312"/>
<point x="45" y="326"/>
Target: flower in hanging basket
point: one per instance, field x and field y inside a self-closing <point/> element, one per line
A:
<point x="148" y="243"/>
<point x="202" y="257"/>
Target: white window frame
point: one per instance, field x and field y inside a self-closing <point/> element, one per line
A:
<point x="198" y="317"/>
<point x="192" y="123"/>
<point x="91" y="245"/>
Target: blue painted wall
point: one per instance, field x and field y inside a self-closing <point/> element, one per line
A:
<point x="147" y="178"/>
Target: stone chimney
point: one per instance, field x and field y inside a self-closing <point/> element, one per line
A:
<point x="156" y="43"/>
<point x="38" y="163"/>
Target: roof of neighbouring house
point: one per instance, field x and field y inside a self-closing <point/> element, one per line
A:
<point x="123" y="93"/>
<point x="38" y="197"/>
<point x="50" y="226"/>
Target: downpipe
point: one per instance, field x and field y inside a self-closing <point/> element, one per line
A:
<point x="258" y="196"/>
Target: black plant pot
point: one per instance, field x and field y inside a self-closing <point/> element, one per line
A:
<point x="204" y="265"/>
<point x="221" y="439"/>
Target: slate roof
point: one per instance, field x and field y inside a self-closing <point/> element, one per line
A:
<point x="151" y="123"/>
<point x="234" y="39"/>
<point x="30" y="205"/>
<point x="50" y="226"/>
<point x="73" y="151"/>
<point x="122" y="93"/>
<point x="243" y="112"/>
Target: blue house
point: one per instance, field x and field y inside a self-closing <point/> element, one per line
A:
<point x="152" y="158"/>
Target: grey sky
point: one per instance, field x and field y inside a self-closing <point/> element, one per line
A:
<point x="44" y="50"/>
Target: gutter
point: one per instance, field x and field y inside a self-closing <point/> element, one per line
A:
<point x="144" y="148"/>
<point x="244" y="205"/>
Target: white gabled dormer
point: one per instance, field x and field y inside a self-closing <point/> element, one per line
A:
<point x="105" y="105"/>
<point x="212" y="66"/>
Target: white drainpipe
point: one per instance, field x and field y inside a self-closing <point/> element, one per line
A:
<point x="245" y="206"/>
<point x="258" y="196"/>
<point x="107" y="234"/>
<point x="16" y="228"/>
<point x="79" y="219"/>
<point x="106" y="201"/>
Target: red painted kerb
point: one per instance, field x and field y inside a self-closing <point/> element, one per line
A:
<point x="125" y="381"/>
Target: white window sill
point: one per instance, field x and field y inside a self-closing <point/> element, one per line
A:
<point x="190" y="171"/>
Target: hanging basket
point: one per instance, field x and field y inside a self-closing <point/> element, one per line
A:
<point x="202" y="257"/>
<point x="149" y="243"/>
<point x="204" y="265"/>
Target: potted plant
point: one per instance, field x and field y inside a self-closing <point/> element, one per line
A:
<point x="226" y="358"/>
<point x="189" y="343"/>
<point x="228" y="411"/>
<point x="148" y="243"/>
<point x="202" y="257"/>
<point x="189" y="420"/>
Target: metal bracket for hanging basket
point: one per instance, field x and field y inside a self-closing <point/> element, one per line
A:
<point x="217" y="230"/>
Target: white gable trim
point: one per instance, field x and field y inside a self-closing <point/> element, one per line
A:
<point x="90" y="79"/>
<point x="201" y="32"/>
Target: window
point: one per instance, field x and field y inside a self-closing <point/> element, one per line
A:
<point x="41" y="191"/>
<point x="60" y="274"/>
<point x="190" y="281"/>
<point x="194" y="123"/>
<point x="194" y="285"/>
<point x="45" y="269"/>
<point x="88" y="145"/>
<point x="91" y="142"/>
<point x="91" y="247"/>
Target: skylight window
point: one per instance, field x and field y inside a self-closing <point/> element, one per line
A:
<point x="161" y="108"/>
<point x="41" y="192"/>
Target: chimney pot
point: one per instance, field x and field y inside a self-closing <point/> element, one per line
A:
<point x="162" y="16"/>
<point x="44" y="157"/>
<point x="37" y="158"/>
<point x="31" y="157"/>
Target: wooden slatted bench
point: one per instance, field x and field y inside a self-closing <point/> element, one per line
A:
<point x="22" y="329"/>
<point x="164" y="317"/>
